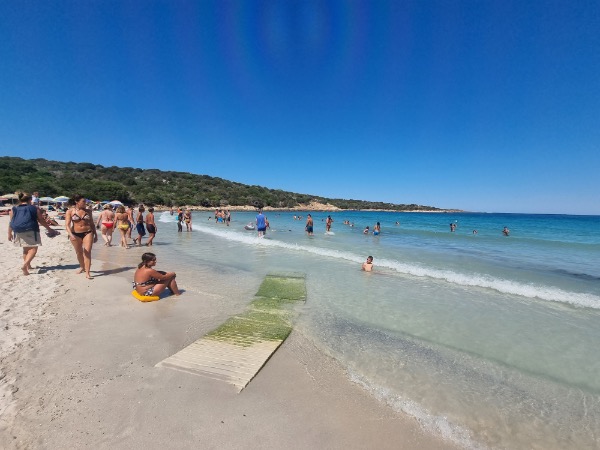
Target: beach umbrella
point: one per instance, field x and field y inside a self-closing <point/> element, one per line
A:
<point x="11" y="197"/>
<point x="61" y="199"/>
<point x="46" y="199"/>
<point x="115" y="202"/>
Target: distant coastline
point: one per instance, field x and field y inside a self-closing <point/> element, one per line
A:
<point x="313" y="206"/>
<point x="153" y="187"/>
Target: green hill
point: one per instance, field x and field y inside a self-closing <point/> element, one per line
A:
<point x="156" y="187"/>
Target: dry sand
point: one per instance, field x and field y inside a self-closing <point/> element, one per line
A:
<point x="77" y="371"/>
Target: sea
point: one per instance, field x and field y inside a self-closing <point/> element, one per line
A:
<point x="489" y="341"/>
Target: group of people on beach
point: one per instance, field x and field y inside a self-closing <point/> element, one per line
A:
<point x="26" y="218"/>
<point x="122" y="219"/>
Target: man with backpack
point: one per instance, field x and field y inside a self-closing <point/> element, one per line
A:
<point x="24" y="229"/>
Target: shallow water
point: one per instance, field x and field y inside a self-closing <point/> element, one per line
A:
<point x="488" y="340"/>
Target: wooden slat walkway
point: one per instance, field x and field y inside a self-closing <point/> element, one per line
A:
<point x="236" y="351"/>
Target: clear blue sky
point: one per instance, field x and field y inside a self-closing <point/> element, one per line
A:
<point x="478" y="105"/>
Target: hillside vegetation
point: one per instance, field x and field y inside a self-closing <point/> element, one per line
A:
<point x="156" y="187"/>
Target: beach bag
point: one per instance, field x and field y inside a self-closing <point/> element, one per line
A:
<point x="24" y="219"/>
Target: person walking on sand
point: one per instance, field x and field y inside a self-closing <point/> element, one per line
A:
<point x="106" y="223"/>
<point x="24" y="229"/>
<point x="140" y="226"/>
<point x="309" y="225"/>
<point x="147" y="281"/>
<point x="131" y="222"/>
<point x="82" y="233"/>
<point x="150" y="226"/>
<point x="122" y="224"/>
<point x="367" y="266"/>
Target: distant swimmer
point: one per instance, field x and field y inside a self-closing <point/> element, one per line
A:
<point x="368" y="264"/>
<point x="452" y="227"/>
<point x="366" y="230"/>
<point x="506" y="231"/>
<point x="474" y="231"/>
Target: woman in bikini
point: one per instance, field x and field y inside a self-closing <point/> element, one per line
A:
<point x="187" y="217"/>
<point x="82" y="233"/>
<point x="122" y="224"/>
<point x="147" y="281"/>
<point x="107" y="221"/>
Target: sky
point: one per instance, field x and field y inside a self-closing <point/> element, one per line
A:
<point x="478" y="105"/>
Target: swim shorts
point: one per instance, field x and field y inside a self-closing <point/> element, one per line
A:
<point x="309" y="229"/>
<point x="140" y="229"/>
<point x="151" y="228"/>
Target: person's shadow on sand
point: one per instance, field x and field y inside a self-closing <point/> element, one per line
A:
<point x="61" y="267"/>
<point x="102" y="273"/>
<point x="96" y="273"/>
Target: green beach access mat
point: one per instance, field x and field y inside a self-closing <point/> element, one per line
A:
<point x="237" y="350"/>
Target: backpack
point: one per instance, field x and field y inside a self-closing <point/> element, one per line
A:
<point x="24" y="219"/>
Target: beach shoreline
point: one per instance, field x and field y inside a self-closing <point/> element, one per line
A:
<point x="80" y="371"/>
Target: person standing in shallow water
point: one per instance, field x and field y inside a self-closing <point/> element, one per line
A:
<point x="187" y="218"/>
<point x="309" y="225"/>
<point x="179" y="220"/>
<point x="261" y="225"/>
<point x="328" y="223"/>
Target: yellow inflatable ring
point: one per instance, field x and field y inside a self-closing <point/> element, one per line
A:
<point x="144" y="298"/>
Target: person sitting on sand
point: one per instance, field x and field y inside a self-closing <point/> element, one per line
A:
<point x="368" y="264"/>
<point x="49" y="220"/>
<point x="148" y="282"/>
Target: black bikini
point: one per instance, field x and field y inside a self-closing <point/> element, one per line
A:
<point x="76" y="218"/>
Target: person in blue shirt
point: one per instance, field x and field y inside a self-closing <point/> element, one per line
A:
<point x="261" y="225"/>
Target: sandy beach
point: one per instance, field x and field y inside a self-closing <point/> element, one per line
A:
<point x="78" y="370"/>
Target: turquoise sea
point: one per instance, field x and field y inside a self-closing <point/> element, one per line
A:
<point x="490" y="341"/>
